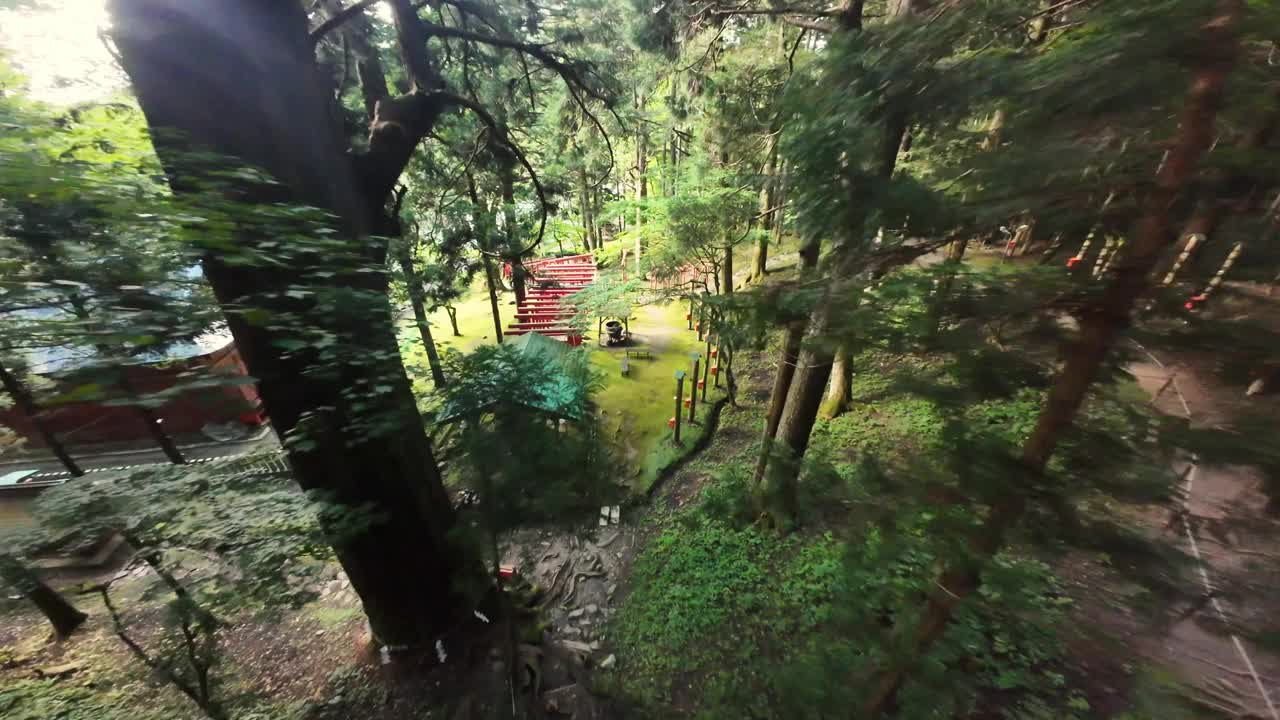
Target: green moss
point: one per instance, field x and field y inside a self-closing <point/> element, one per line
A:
<point x="634" y="408"/>
<point x="713" y="605"/>
<point x="638" y="406"/>
<point x="332" y="617"/>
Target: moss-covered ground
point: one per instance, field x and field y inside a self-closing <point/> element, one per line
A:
<point x="634" y="408"/>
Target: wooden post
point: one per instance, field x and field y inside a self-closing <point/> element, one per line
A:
<point x="693" y="391"/>
<point x="679" y="394"/>
<point x="706" y="369"/>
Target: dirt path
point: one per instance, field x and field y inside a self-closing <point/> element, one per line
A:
<point x="1222" y="526"/>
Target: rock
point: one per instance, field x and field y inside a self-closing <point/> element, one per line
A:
<point x="319" y="633"/>
<point x="574" y="614"/>
<point x="609" y="662"/>
<point x="613" y="588"/>
<point x="579" y="647"/>
<point x="572" y="631"/>
<point x="595" y="644"/>
<point x="563" y="700"/>
<point x="57" y="671"/>
<point x="592" y="609"/>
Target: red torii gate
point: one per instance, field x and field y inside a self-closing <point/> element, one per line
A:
<point x="551" y="280"/>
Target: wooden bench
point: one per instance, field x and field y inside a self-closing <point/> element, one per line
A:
<point x="638" y="352"/>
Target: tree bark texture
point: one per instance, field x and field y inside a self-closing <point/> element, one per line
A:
<point x="513" y="253"/>
<point x="490" y="272"/>
<point x="727" y="268"/>
<point x="584" y="209"/>
<point x="760" y="261"/>
<point x="416" y="299"/>
<point x="839" y="389"/>
<point x="790" y="354"/>
<point x="62" y="615"/>
<point x="1101" y="321"/>
<point x="242" y="83"/>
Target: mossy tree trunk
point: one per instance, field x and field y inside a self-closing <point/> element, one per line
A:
<point x="246" y="87"/>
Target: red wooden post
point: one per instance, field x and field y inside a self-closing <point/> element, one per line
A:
<point x="679" y="393"/>
<point x="706" y="368"/>
<point x="693" y="392"/>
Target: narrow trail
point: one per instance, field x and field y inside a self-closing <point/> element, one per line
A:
<point x="1204" y="646"/>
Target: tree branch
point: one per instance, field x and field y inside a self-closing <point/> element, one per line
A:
<point x="778" y="11"/>
<point x="505" y="139"/>
<point x="808" y="25"/>
<point x="332" y="23"/>
<point x="564" y="69"/>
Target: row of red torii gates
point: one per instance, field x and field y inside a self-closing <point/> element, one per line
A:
<point x="549" y="282"/>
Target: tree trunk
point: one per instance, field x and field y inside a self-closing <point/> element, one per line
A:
<point x="642" y="184"/>
<point x="62" y="615"/>
<point x="452" y="312"/>
<point x="157" y="433"/>
<point x="28" y="406"/>
<point x="513" y="255"/>
<point x="727" y="267"/>
<point x="416" y="299"/>
<point x="779" y="216"/>
<point x="595" y="218"/>
<point x="791" y="339"/>
<point x="490" y="272"/>
<point x="813" y="367"/>
<point x="584" y="209"/>
<point x="778" y="396"/>
<point x="760" y="261"/>
<point x="150" y="419"/>
<point x="246" y="86"/>
<point x="1215" y="204"/>
<point x="839" y="389"/>
<point x="492" y="283"/>
<point x="1101" y="322"/>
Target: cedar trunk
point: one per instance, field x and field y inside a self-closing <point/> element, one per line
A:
<point x="244" y="85"/>
<point x="813" y="367"/>
<point x="760" y="261"/>
<point x="418" y="301"/>
<point x="786" y="367"/>
<point x="64" y="617"/>
<point x="1101" y="321"/>
<point x="509" y="228"/>
<point x="839" y="390"/>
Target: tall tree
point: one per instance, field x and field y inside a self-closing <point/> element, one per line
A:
<point x="1101" y="322"/>
<point x="266" y="105"/>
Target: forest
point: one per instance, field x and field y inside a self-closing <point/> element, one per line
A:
<point x="593" y="359"/>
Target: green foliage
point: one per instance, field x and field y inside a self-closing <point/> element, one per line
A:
<point x="53" y="699"/>
<point x="698" y="578"/>
<point x="524" y="436"/>
<point x="809" y="607"/>
<point x="609" y="296"/>
<point x="254" y="541"/>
